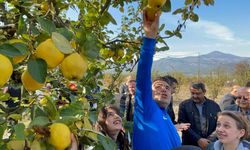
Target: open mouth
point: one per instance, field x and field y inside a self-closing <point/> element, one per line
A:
<point x="116" y="122"/>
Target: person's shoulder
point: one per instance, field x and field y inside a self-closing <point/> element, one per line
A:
<point x="210" y="146"/>
<point x="246" y="143"/>
<point x="231" y="107"/>
<point x="186" y="102"/>
<point x="212" y="102"/>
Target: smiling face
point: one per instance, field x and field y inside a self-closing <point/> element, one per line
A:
<point x="242" y="98"/>
<point x="161" y="93"/>
<point x="113" y="121"/>
<point x="227" y="130"/>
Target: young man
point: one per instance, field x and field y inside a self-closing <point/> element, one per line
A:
<point x="153" y="128"/>
<point x="173" y="83"/>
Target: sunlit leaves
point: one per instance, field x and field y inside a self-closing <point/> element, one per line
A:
<point x="61" y="43"/>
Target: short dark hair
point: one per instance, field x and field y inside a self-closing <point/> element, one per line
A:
<point x="160" y="78"/>
<point x="199" y="85"/>
<point x="171" y="79"/>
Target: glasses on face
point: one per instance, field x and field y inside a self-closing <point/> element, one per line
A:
<point x="242" y="97"/>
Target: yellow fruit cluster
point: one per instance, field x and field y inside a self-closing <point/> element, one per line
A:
<point x="73" y="66"/>
<point x="153" y="7"/>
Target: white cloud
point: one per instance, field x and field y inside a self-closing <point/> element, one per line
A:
<point x="175" y="54"/>
<point x="214" y="30"/>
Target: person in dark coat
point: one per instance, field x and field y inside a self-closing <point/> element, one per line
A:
<point x="201" y="113"/>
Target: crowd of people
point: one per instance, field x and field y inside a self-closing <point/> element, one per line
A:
<point x="202" y="122"/>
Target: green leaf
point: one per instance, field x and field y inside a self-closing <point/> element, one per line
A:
<point x="22" y="28"/>
<point x="37" y="68"/>
<point x="111" y="19"/>
<point x="15" y="116"/>
<point x="72" y="110"/>
<point x="194" y="17"/>
<point x="40" y="121"/>
<point x="65" y="32"/>
<point x="61" y="43"/>
<point x="178" y="11"/>
<point x="161" y="27"/>
<point x="208" y="2"/>
<point x="178" y="34"/>
<point x="68" y="120"/>
<point x="167" y="6"/>
<point x="167" y="32"/>
<point x="19" y="131"/>
<point x="51" y="109"/>
<point x="23" y="48"/>
<point x="107" y="142"/>
<point x="90" y="46"/>
<point x="39" y="112"/>
<point x="47" y="25"/>
<point x="187" y="2"/>
<point x="164" y="48"/>
<point x="4" y="96"/>
<point x="34" y="29"/>
<point x="2" y="129"/>
<point x="9" y="50"/>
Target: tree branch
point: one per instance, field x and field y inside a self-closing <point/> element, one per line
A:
<point x="105" y="6"/>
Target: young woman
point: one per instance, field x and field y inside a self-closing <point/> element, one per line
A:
<point x="231" y="130"/>
<point x="109" y="123"/>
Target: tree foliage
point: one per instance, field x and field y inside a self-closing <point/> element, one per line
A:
<point x="91" y="35"/>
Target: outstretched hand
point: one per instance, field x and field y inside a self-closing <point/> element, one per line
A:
<point x="151" y="28"/>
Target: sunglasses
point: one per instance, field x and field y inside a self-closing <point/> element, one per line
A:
<point x="242" y="97"/>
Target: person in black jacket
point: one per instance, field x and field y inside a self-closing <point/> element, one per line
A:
<point x="201" y="113"/>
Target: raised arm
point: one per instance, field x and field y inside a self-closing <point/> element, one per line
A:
<point x="143" y="77"/>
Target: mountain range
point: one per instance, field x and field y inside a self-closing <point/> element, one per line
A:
<point x="202" y="64"/>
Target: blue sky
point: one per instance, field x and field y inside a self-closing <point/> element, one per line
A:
<point x="223" y="27"/>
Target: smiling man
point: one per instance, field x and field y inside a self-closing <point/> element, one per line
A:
<point x="153" y="128"/>
<point x="201" y="113"/>
<point x="242" y="102"/>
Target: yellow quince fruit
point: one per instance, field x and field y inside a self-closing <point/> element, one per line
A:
<point x="74" y="66"/>
<point x="6" y="69"/>
<point x="29" y="83"/>
<point x="59" y="136"/>
<point x="48" y="52"/>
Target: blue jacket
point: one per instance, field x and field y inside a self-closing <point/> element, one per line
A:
<point x="153" y="128"/>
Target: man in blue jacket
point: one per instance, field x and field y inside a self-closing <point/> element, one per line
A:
<point x="153" y="128"/>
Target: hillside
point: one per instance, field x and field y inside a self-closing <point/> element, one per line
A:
<point x="203" y="63"/>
